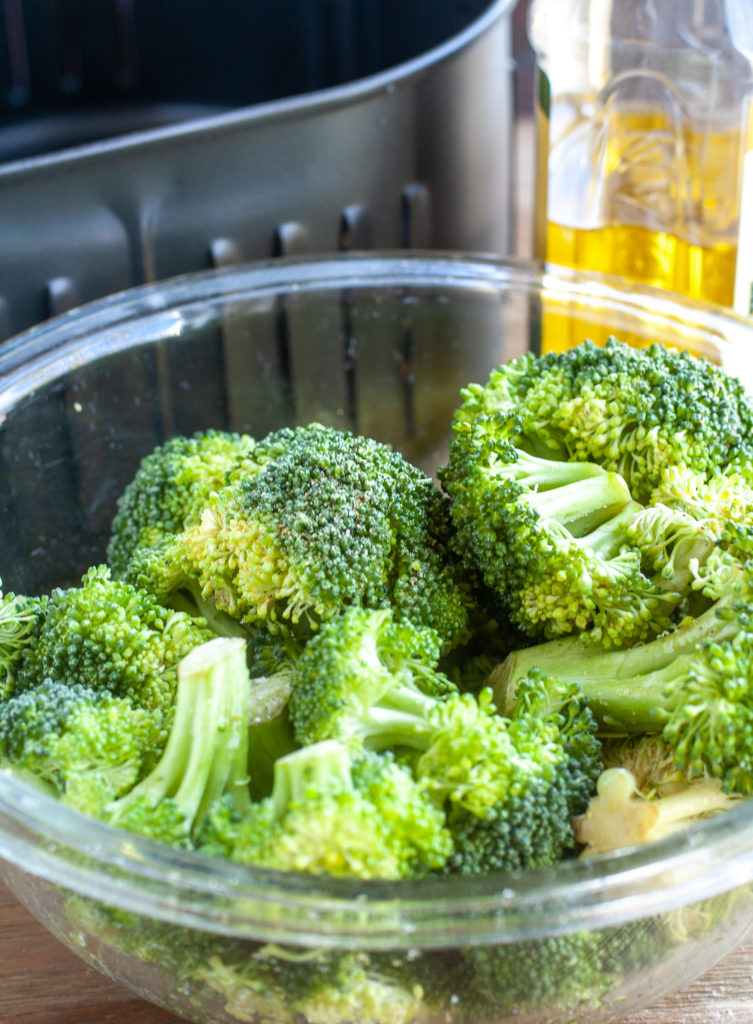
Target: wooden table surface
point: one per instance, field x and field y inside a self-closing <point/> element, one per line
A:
<point x="41" y="982"/>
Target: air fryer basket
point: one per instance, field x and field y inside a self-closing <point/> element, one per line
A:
<point x="143" y="138"/>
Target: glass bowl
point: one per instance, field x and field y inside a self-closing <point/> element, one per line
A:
<point x="380" y="344"/>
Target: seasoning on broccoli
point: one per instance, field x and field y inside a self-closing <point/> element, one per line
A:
<point x="329" y="519"/>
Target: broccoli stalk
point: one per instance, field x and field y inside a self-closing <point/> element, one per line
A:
<point x="691" y="685"/>
<point x="619" y="815"/>
<point x="206" y="755"/>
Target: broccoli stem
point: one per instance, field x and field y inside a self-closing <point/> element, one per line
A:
<point x="624" y="687"/>
<point x="270" y="734"/>
<point x="207" y="749"/>
<point x="402" y="717"/>
<point x="324" y="767"/>
<point x="583" y="505"/>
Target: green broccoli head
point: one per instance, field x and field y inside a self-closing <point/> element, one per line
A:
<point x="19" y="616"/>
<point x="172" y="486"/>
<point x="552" y="462"/>
<point x="368" y="681"/>
<point x="110" y="636"/>
<point x="632" y="411"/>
<point x="332" y="814"/>
<point x="511" y="786"/>
<point x="551" y="538"/>
<point x="87" y="745"/>
<point x="331" y="519"/>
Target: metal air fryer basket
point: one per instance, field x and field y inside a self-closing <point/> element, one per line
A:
<point x="140" y="139"/>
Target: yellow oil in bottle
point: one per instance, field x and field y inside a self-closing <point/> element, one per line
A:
<point x="665" y="202"/>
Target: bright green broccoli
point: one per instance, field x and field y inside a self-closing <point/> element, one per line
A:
<point x="509" y="787"/>
<point x="693" y="685"/>
<point x="206" y="755"/>
<point x="109" y="636"/>
<point x="330" y="813"/>
<point x="171" y="488"/>
<point x="86" y="745"/>
<point x="512" y="787"/>
<point x="19" y="616"/>
<point x="572" y="479"/>
<point x="550" y="537"/>
<point x="633" y="411"/>
<point x="329" y="520"/>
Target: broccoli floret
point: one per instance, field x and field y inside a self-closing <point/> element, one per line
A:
<point x="19" y="616"/>
<point x="108" y="635"/>
<point x="561" y="977"/>
<point x="552" y="461"/>
<point x="512" y="787"/>
<point x="369" y="682"/>
<point x="160" y="570"/>
<point x="693" y="685"/>
<point x="550" y="538"/>
<point x="632" y="411"/>
<point x="87" y="745"/>
<point x="171" y="488"/>
<point x="206" y="755"/>
<point x="331" y="519"/>
<point x="508" y="787"/>
<point x="321" y="986"/>
<point x="331" y="814"/>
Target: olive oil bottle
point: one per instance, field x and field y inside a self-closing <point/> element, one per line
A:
<point x="649" y="108"/>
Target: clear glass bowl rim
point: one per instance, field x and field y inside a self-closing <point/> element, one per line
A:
<point x="41" y="837"/>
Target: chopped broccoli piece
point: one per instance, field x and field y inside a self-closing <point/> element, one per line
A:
<point x="206" y="755"/>
<point x="331" y="814"/>
<point x="171" y="488"/>
<point x="331" y="519"/>
<point x="509" y="787"/>
<point x="110" y="636"/>
<point x="87" y="745"/>
<point x="513" y="786"/>
<point x="19" y="616"/>
<point x="692" y="685"/>
<point x="619" y="815"/>
<point x="632" y="411"/>
<point x="550" y="466"/>
<point x="550" y="538"/>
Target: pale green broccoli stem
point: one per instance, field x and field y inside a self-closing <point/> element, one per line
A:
<point x="590" y="503"/>
<point x="270" y="734"/>
<point x="207" y="750"/>
<point x="625" y="687"/>
<point x="319" y="767"/>
<point x="403" y="717"/>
